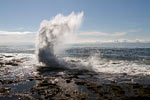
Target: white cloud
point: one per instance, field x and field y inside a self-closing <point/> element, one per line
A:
<point x="27" y="36"/>
<point x="15" y="33"/>
<point x="93" y="40"/>
<point x="17" y="37"/>
<point x="95" y="33"/>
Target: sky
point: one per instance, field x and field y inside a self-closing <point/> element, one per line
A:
<point x="104" y="20"/>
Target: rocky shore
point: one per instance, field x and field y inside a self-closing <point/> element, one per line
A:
<point x="67" y="84"/>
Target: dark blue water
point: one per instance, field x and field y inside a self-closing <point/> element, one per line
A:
<point x="111" y="53"/>
<point x="17" y="49"/>
<point x="108" y="53"/>
<point x="132" y="61"/>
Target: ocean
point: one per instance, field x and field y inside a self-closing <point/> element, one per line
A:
<point x="131" y="61"/>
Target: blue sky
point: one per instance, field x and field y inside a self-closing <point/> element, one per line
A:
<point x="106" y="20"/>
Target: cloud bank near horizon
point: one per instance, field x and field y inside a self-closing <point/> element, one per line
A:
<point x="15" y="33"/>
<point x="17" y="37"/>
<point x="30" y="37"/>
<point x="96" y="33"/>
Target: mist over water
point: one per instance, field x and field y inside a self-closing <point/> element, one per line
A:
<point x="54" y="34"/>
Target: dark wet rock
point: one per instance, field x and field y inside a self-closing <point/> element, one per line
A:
<point x="137" y="98"/>
<point x="54" y="88"/>
<point x="80" y="82"/>
<point x="75" y="60"/>
<point x="17" y="61"/>
<point x="8" y="56"/>
<point x="118" y="90"/>
<point x="6" y="81"/>
<point x="115" y="63"/>
<point x="4" y="90"/>
<point x="2" y="64"/>
<point x="124" y="73"/>
<point x="68" y="81"/>
<point x="61" y="83"/>
<point x="11" y="63"/>
<point x="35" y="78"/>
<point x="17" y="97"/>
<point x="9" y="81"/>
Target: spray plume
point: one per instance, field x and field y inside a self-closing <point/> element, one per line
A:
<point x="54" y="34"/>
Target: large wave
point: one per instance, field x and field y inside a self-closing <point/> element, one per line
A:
<point x="53" y="36"/>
